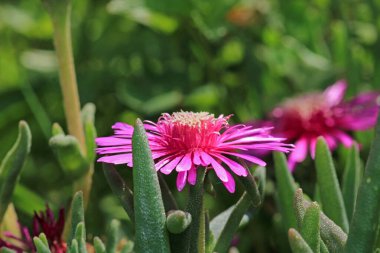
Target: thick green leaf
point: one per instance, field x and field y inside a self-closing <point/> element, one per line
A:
<point x="128" y="247"/>
<point x="12" y="165"/>
<point x="331" y="195"/>
<point x="120" y="188"/>
<point x="99" y="245"/>
<point x="233" y="219"/>
<point x="299" y="207"/>
<point x="297" y="243"/>
<point x="68" y="152"/>
<point x="250" y="186"/>
<point x="365" y="219"/>
<point x="150" y="219"/>
<point x="310" y="227"/>
<point x="77" y="215"/>
<point x="286" y="188"/>
<point x="41" y="246"/>
<point x="88" y="118"/>
<point x="113" y="236"/>
<point x="351" y="180"/>
<point x="178" y="221"/>
<point x="74" y="247"/>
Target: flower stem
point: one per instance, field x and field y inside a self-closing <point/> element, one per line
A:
<point x="60" y="12"/>
<point x="195" y="208"/>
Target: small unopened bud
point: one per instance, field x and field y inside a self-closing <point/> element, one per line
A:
<point x="178" y="221"/>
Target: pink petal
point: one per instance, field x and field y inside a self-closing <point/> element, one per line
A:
<point x="247" y="157"/>
<point x="300" y="151"/>
<point x="230" y="184"/>
<point x="197" y="158"/>
<point x="335" y="93"/>
<point x="192" y="178"/>
<point x="206" y="159"/>
<point x="181" y="180"/>
<point x="346" y="140"/>
<point x="112" y="141"/>
<point x="169" y="167"/>
<point x="116" y="159"/>
<point x="219" y="170"/>
<point x="234" y="166"/>
<point x="313" y="145"/>
<point x="185" y="163"/>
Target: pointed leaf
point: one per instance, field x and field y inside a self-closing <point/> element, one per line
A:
<point x="299" y="207"/>
<point x="40" y="246"/>
<point x="70" y="157"/>
<point x="310" y="227"/>
<point x="297" y="243"/>
<point x="331" y="195"/>
<point x="77" y="215"/>
<point x="365" y="219"/>
<point x="99" y="245"/>
<point x="113" y="236"/>
<point x="88" y="118"/>
<point x="351" y="179"/>
<point x="286" y="188"/>
<point x="12" y="165"/>
<point x="150" y="220"/>
<point x="120" y="188"/>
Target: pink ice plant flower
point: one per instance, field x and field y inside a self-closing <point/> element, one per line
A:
<point x="184" y="141"/>
<point x="301" y="120"/>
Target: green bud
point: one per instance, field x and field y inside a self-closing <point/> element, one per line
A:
<point x="178" y="221"/>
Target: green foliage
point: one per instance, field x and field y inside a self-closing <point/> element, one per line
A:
<point x="297" y="243"/>
<point x="365" y="220"/>
<point x="310" y="227"/>
<point x="151" y="234"/>
<point x="331" y="195"/>
<point x="12" y="165"/>
<point x="178" y="221"/>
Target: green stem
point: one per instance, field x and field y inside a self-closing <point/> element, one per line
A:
<point x="195" y="207"/>
<point x="60" y="13"/>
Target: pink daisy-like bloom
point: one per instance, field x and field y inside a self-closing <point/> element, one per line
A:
<point x="303" y="119"/>
<point x="183" y="141"/>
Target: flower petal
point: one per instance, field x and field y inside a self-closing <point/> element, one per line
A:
<point x="185" y="163"/>
<point x="230" y="184"/>
<point x="335" y="93"/>
<point x="169" y="167"/>
<point x="234" y="166"/>
<point x="181" y="180"/>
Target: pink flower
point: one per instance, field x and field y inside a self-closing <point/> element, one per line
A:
<point x="42" y="223"/>
<point x="302" y="119"/>
<point x="183" y="141"/>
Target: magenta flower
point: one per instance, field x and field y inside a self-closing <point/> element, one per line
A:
<point x="303" y="119"/>
<point x="42" y="223"/>
<point x="183" y="141"/>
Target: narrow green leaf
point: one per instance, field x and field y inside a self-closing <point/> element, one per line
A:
<point x="82" y="246"/>
<point x="43" y="238"/>
<point x="12" y="165"/>
<point x="88" y="118"/>
<point x="70" y="157"/>
<point x="351" y="180"/>
<point x="323" y="247"/>
<point x="99" y="245"/>
<point x="128" y="247"/>
<point x="365" y="219"/>
<point x="150" y="220"/>
<point x="113" y="236"/>
<point x="223" y="240"/>
<point x="74" y="246"/>
<point x="120" y="188"/>
<point x="331" y="195"/>
<point x="80" y="232"/>
<point x="40" y="245"/>
<point x="57" y="130"/>
<point x="167" y="196"/>
<point x="297" y="243"/>
<point x="299" y="207"/>
<point x="332" y="235"/>
<point x="286" y="188"/>
<point x="178" y="221"/>
<point x="77" y="214"/>
<point x="251" y="187"/>
<point x="310" y="227"/>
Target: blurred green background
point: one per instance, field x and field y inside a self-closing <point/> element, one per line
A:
<point x="137" y="58"/>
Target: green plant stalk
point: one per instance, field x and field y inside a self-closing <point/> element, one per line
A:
<point x="366" y="215"/>
<point x="60" y="12"/>
<point x="195" y="207"/>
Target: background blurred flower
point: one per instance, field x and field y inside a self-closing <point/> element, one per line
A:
<point x="302" y="119"/>
<point x="183" y="141"/>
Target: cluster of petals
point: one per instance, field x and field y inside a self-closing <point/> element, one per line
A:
<point x="184" y="141"/>
<point x="43" y="222"/>
<point x="301" y="120"/>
